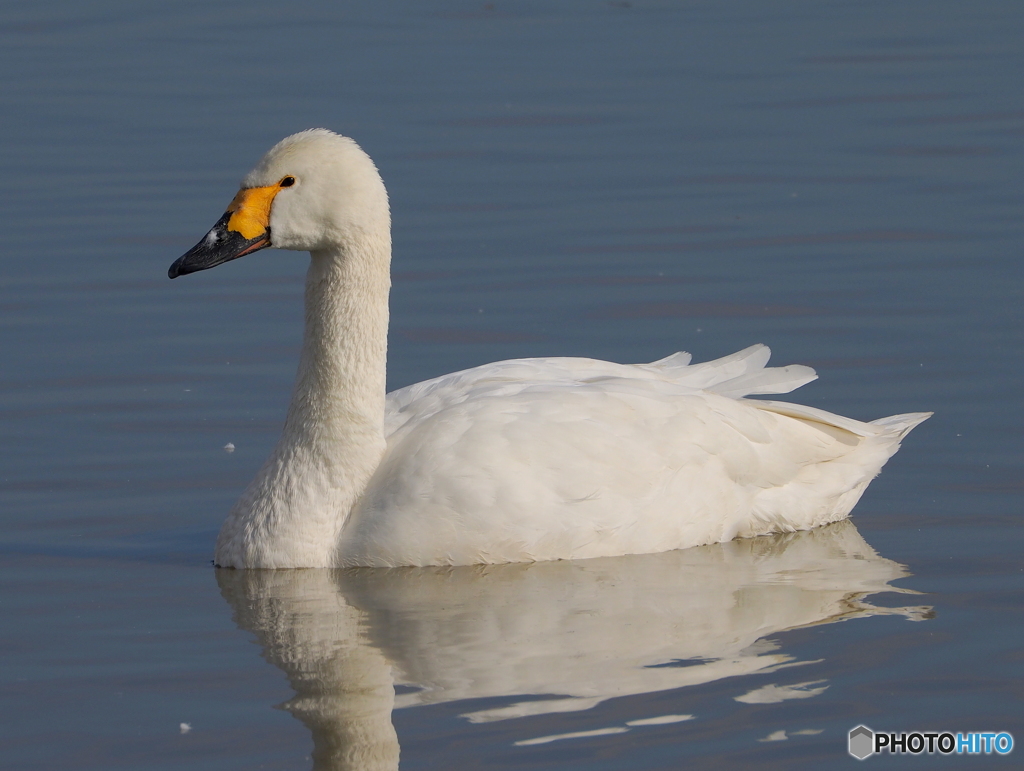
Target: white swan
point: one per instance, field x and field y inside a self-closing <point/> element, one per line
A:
<point x="516" y="461"/>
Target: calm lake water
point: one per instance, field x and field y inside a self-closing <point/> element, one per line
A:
<point x="840" y="180"/>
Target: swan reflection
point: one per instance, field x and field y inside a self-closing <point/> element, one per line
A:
<point x="582" y="631"/>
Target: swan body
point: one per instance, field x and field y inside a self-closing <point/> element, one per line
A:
<point x="515" y="461"/>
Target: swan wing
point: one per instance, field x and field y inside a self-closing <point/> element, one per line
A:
<point x="740" y="374"/>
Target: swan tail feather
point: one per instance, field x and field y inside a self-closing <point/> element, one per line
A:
<point x="902" y="424"/>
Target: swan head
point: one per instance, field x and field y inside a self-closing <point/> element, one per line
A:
<point x="315" y="190"/>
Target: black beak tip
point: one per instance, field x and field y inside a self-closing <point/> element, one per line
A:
<point x="218" y="246"/>
<point x="180" y="267"/>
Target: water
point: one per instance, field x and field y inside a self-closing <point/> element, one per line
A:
<point x="618" y="180"/>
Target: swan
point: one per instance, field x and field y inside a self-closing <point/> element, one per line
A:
<point x="515" y="461"/>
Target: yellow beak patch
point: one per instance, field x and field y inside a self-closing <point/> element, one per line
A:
<point x="250" y="210"/>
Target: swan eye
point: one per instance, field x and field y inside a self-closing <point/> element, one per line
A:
<point x="287" y="182"/>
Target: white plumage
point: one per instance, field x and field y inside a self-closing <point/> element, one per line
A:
<point x="531" y="459"/>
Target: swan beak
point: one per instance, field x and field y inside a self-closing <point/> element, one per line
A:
<point x="218" y="246"/>
<point x="244" y="229"/>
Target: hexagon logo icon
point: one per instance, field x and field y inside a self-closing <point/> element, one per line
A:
<point x="861" y="742"/>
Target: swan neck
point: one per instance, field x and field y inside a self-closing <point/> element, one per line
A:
<point x="293" y="512"/>
<point x="341" y="382"/>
